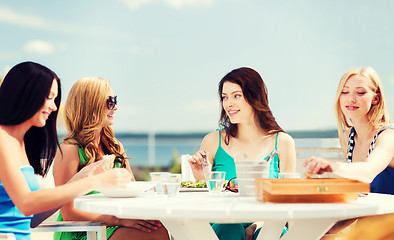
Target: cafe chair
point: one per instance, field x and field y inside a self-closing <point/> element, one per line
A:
<point x="50" y="225"/>
<point x="91" y="228"/>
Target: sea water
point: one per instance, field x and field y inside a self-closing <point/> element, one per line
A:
<point x="166" y="148"/>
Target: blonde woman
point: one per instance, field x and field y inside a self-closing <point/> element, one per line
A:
<point x="89" y="114"/>
<point x="365" y="132"/>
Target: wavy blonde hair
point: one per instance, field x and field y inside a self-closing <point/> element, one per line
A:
<point x="83" y="116"/>
<point x="378" y="115"/>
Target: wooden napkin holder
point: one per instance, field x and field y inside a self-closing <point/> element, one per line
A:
<point x="329" y="190"/>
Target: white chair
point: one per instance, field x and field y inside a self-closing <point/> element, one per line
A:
<point x="91" y="228"/>
<point x="50" y="225"/>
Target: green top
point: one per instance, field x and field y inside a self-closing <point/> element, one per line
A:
<point x="82" y="235"/>
<point x="224" y="162"/>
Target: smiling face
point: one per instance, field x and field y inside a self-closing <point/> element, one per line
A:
<point x="108" y="118"/>
<point x="235" y="105"/>
<point x="39" y="119"/>
<point x="357" y="97"/>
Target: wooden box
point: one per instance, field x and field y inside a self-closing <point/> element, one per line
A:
<point x="327" y="190"/>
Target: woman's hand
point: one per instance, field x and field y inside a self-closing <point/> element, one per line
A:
<point x="114" y="178"/>
<point x="89" y="170"/>
<point x="143" y="225"/>
<point x="318" y="165"/>
<point x="249" y="231"/>
<point x="196" y="164"/>
<point x="197" y="160"/>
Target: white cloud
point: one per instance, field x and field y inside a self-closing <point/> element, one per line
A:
<point x="189" y="3"/>
<point x="7" y="15"/>
<point x="136" y="4"/>
<point x="39" y="47"/>
<point x="136" y="50"/>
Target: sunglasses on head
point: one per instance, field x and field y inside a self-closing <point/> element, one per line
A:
<point x="111" y="102"/>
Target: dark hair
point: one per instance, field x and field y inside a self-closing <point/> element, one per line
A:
<point x="22" y="94"/>
<point x="256" y="94"/>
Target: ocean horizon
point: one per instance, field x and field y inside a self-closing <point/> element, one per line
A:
<point x="159" y="149"/>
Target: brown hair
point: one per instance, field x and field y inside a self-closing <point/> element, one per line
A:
<point x="256" y="94"/>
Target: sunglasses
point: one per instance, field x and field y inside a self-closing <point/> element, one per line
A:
<point x="232" y="185"/>
<point x="111" y="102"/>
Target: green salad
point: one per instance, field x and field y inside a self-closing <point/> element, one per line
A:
<point x="197" y="184"/>
<point x="192" y="184"/>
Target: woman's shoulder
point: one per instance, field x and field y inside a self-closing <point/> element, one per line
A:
<point x="387" y="134"/>
<point x="285" y="139"/>
<point x="68" y="147"/>
<point x="212" y="137"/>
<point x="211" y="141"/>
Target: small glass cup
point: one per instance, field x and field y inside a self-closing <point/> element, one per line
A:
<point x="172" y="185"/>
<point x="159" y="178"/>
<point x="289" y="175"/>
<point x="215" y="181"/>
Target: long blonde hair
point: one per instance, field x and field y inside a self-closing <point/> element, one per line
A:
<point x="378" y="115"/>
<point x="83" y="116"/>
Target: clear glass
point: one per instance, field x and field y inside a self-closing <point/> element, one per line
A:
<point x="290" y="175"/>
<point x="159" y="178"/>
<point x="215" y="181"/>
<point x="172" y="185"/>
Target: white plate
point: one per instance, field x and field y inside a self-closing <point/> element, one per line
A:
<point x="132" y="190"/>
<point x="193" y="189"/>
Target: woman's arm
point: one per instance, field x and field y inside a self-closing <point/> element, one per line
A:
<point x="65" y="166"/>
<point x="209" y="145"/>
<point x="377" y="161"/>
<point x="287" y="153"/>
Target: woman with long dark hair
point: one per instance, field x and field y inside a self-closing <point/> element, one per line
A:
<point x="29" y="99"/>
<point x="248" y="127"/>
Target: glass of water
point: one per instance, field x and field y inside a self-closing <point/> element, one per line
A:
<point x="159" y="178"/>
<point x="215" y="181"/>
<point x="172" y="185"/>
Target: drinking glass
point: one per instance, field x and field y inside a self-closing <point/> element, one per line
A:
<point x="289" y="175"/>
<point x="159" y="178"/>
<point x="172" y="185"/>
<point x="215" y="181"/>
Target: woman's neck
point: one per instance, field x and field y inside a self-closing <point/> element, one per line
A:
<point x="364" y="130"/>
<point x="250" y="132"/>
<point x="96" y="140"/>
<point x="17" y="131"/>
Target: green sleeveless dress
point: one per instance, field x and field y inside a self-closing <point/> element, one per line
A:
<point x="81" y="235"/>
<point x="224" y="162"/>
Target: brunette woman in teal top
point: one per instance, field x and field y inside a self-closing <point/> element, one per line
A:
<point x="248" y="127"/>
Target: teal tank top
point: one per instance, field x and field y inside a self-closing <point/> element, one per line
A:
<point x="11" y="219"/>
<point x="224" y="162"/>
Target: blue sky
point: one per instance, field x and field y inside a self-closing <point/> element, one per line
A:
<point x="164" y="58"/>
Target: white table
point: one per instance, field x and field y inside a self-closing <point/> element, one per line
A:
<point x="188" y="215"/>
